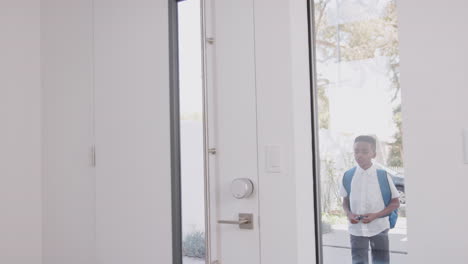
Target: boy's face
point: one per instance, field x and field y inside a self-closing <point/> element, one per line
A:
<point x="364" y="153"/>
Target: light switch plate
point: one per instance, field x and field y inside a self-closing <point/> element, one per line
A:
<point x="273" y="158"/>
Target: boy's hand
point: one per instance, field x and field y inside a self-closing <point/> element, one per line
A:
<point x="367" y="218"/>
<point x="353" y="218"/>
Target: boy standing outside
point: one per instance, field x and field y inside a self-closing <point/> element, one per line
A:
<point x="365" y="206"/>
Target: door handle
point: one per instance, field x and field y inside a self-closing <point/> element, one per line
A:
<point x="245" y="221"/>
<point x="240" y="222"/>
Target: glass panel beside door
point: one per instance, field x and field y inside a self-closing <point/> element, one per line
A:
<point x="191" y="132"/>
<point x="359" y="125"/>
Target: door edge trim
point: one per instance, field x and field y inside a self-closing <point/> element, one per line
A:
<point x="176" y="198"/>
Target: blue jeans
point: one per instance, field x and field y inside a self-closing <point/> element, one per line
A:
<point x="379" y="247"/>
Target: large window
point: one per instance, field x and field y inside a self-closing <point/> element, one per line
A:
<point x="357" y="93"/>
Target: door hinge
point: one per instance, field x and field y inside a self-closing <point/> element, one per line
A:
<point x="92" y="156"/>
<point x="212" y="151"/>
<point x="210" y="40"/>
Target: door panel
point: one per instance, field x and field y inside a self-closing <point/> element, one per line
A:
<point x="232" y="127"/>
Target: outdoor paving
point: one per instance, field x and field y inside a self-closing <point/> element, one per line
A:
<point x="336" y="247"/>
<point x="187" y="260"/>
<point x="343" y="256"/>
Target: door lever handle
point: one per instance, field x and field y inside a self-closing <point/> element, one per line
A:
<point x="245" y="221"/>
<point x="240" y="222"/>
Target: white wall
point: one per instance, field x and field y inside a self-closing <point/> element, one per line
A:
<point x="20" y="133"/>
<point x="284" y="119"/>
<point x="68" y="180"/>
<point x="303" y="153"/>
<point x="133" y="173"/>
<point x="433" y="79"/>
<point x="277" y="191"/>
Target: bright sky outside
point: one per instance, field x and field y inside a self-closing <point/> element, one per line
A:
<point x="190" y="63"/>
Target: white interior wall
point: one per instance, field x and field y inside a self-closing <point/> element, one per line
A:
<point x="433" y="79"/>
<point x="20" y="133"/>
<point x="68" y="179"/>
<point x="284" y="118"/>
<point x="133" y="172"/>
<point x="277" y="191"/>
<point x="302" y="137"/>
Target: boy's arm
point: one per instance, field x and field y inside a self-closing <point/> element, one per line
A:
<point x="351" y="217"/>
<point x="394" y="204"/>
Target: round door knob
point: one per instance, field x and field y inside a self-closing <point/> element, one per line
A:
<point x="241" y="188"/>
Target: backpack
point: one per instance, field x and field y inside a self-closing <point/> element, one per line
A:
<point x="384" y="189"/>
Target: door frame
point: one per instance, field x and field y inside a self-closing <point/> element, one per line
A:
<point x="176" y="183"/>
<point x="314" y="129"/>
<point x="176" y="197"/>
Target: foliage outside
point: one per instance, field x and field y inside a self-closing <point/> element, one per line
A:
<point x="193" y="245"/>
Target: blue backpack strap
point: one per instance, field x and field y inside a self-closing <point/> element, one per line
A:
<point x="347" y="178"/>
<point x="387" y="195"/>
<point x="384" y="187"/>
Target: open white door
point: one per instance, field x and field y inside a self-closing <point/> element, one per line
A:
<point x="231" y="131"/>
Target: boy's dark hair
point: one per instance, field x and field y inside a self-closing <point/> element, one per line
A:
<point x="369" y="140"/>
